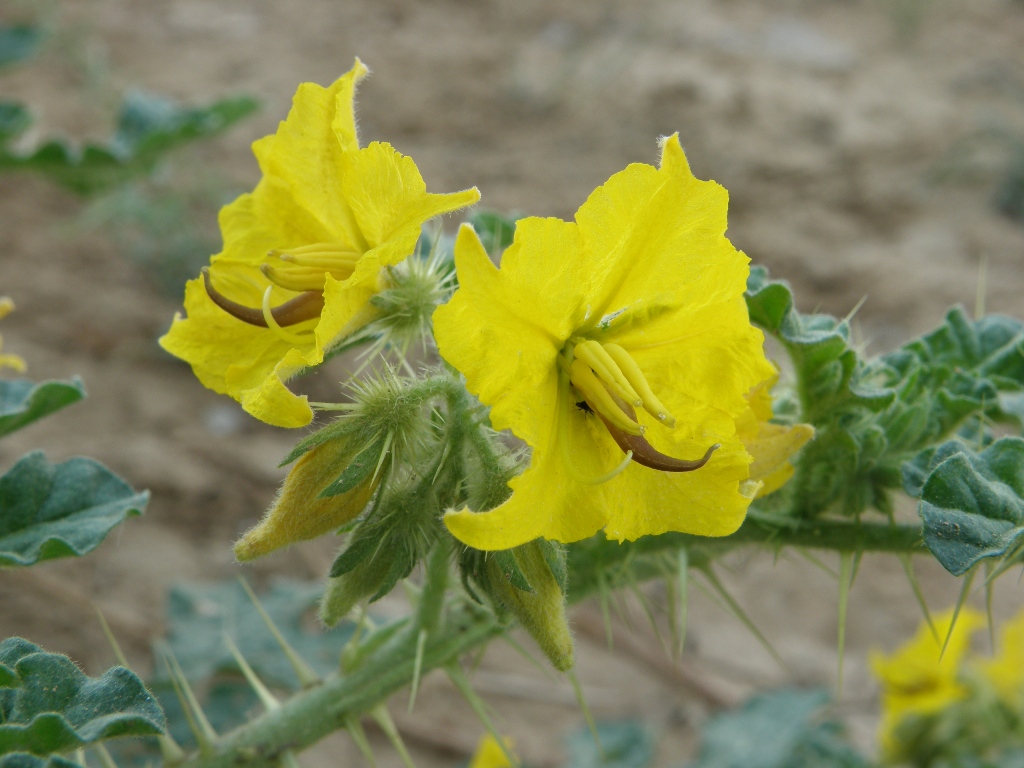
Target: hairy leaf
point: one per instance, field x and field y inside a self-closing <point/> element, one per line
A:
<point x="25" y="760"/>
<point x="23" y="401"/>
<point x="972" y="504"/>
<point x="148" y="127"/>
<point x="780" y="729"/>
<point x="199" y="616"/>
<point x="56" y="707"/>
<point x="18" y="42"/>
<point x="625" y="745"/>
<point x="60" y="510"/>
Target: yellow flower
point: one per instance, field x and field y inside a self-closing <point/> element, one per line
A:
<point x="13" y="362"/>
<point x="1006" y="671"/>
<point x="915" y="680"/>
<point x="303" y="254"/>
<point x="489" y="753"/>
<point x="618" y="347"/>
<point x="771" y="445"/>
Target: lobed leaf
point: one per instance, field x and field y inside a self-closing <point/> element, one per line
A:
<point x="623" y="745"/>
<point x="972" y="504"/>
<point x="60" y="510"/>
<point x="23" y="401"/>
<point x="18" y="42"/>
<point x="25" y="760"/>
<point x="148" y="126"/>
<point x="56" y="707"/>
<point x="779" y="729"/>
<point x="199" y="616"/>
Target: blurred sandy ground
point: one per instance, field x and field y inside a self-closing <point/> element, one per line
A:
<point x="862" y="144"/>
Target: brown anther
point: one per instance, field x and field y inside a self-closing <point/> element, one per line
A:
<point x="305" y="306"/>
<point x="643" y="452"/>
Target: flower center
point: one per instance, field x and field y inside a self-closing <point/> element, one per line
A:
<point x="301" y="269"/>
<point x="613" y="386"/>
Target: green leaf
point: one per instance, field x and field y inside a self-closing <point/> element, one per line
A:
<point x="779" y="729"/>
<point x="14" y="119"/>
<point x="358" y="470"/>
<point x="56" y="707"/>
<point x="496" y="230"/>
<point x="972" y="504"/>
<point x="198" y="617"/>
<point x="148" y="127"/>
<point x="60" y="510"/>
<point x="18" y="42"/>
<point x="23" y="401"/>
<point x="626" y="745"/>
<point x="25" y="760"/>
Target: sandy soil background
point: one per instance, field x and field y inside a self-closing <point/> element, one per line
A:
<point x="863" y="144"/>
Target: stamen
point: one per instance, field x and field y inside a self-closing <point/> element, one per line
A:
<point x="272" y="324"/>
<point x="637" y="379"/>
<point x="593" y="354"/>
<point x="645" y="453"/>
<point x="563" y="446"/>
<point x="305" y="306"/>
<point x="600" y="399"/>
<point x="295" y="279"/>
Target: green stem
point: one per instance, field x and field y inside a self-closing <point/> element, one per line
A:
<point x="319" y="711"/>
<point x="594" y="557"/>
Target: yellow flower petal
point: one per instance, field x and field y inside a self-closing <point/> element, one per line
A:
<point x="318" y="187"/>
<point x="489" y="753"/>
<point x="1006" y="671"/>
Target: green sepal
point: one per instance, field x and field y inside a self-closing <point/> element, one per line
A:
<point x="557" y="559"/>
<point x="23" y="401"/>
<point x="356" y="551"/>
<point x="336" y="430"/>
<point x="495" y="230"/>
<point x="56" y="707"/>
<point x="19" y="42"/>
<point x="60" y="510"/>
<point x="148" y="126"/>
<point x="972" y="504"/>
<point x="506" y="563"/>
<point x="358" y="470"/>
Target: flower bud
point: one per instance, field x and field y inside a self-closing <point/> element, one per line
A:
<point x="542" y="611"/>
<point x="299" y="513"/>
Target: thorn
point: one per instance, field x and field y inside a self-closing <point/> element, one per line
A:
<point x="383" y="718"/>
<point x="587" y="714"/>
<point x="458" y="677"/>
<point x="855" y="309"/>
<point x="289" y="760"/>
<point x="201" y="729"/>
<point x="602" y="591"/>
<point x="739" y="613"/>
<point x="417" y="668"/>
<point x="80" y="758"/>
<point x="265" y="696"/>
<point x="516" y="645"/>
<point x="964" y="591"/>
<point x="307" y="677"/>
<point x="815" y="561"/>
<point x="846" y="570"/>
<point x="646" y="605"/>
<point x="988" y="606"/>
<point x="101" y="752"/>
<point x="109" y="634"/>
<point x="355" y="729"/>
<point x="683" y="584"/>
<point x="908" y="568"/>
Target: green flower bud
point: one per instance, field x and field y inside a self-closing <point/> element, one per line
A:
<point x="299" y="513"/>
<point x="540" y="611"/>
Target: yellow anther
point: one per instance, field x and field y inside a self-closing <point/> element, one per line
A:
<point x="304" y="337"/>
<point x="636" y="378"/>
<point x="295" y="278"/>
<point x="598" y="398"/>
<point x="607" y="370"/>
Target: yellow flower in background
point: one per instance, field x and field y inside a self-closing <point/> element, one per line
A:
<point x="917" y="678"/>
<point x="489" y="753"/>
<point x="14" y="362"/>
<point x="303" y="254"/>
<point x="618" y="347"/>
<point x="1006" y="671"/>
<point x="771" y="445"/>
